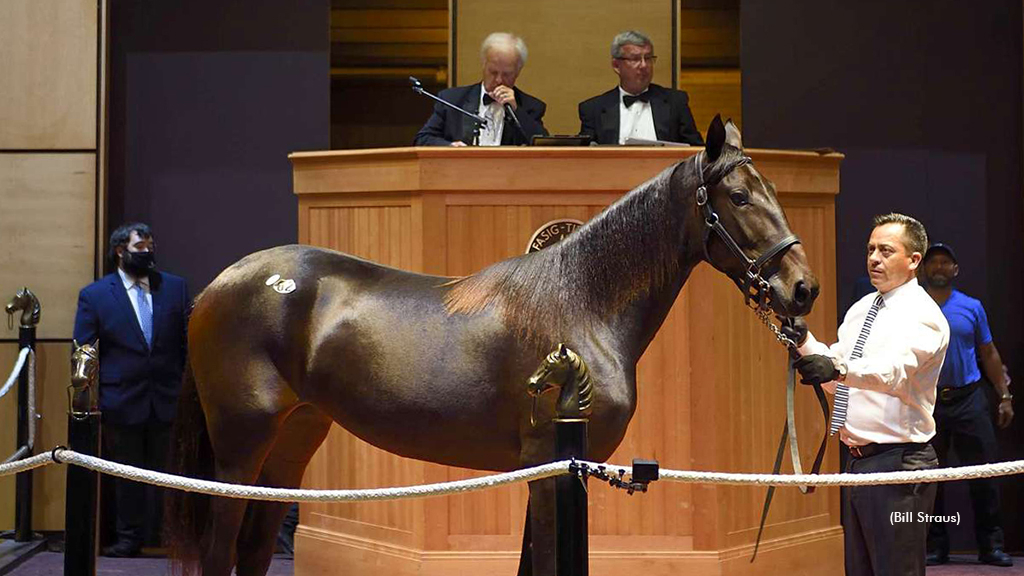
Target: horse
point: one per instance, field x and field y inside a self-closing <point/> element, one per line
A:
<point x="290" y="339"/>
<point x="27" y="302"/>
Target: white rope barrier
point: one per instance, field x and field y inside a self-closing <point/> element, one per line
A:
<point x="907" y="477"/>
<point x="26" y="352"/>
<point x="64" y="455"/>
<point x="18" y="365"/>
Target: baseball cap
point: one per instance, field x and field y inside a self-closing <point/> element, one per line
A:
<point x="942" y="247"/>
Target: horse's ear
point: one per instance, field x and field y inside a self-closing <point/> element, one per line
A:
<point x="716" y="138"/>
<point x="732" y="135"/>
<point x="74" y="343"/>
<point x="562" y="350"/>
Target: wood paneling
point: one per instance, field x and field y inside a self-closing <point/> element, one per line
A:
<point x="49" y="87"/>
<point x="711" y="385"/>
<point x="53" y="374"/>
<point x="47" y="227"/>
<point x="559" y="72"/>
<point x="713" y="91"/>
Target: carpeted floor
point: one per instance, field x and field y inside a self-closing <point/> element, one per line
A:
<point x="52" y="564"/>
<point x="969" y="566"/>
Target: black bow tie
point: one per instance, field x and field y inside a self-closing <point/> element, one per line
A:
<point x="628" y="100"/>
<point x="488" y="99"/>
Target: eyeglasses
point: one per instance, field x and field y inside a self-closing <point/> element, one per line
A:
<point x="636" y="60"/>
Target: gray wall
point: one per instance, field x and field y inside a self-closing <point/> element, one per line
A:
<point x="924" y="98"/>
<point x="207" y="99"/>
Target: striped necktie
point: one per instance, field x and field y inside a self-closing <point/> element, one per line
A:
<point x="842" y="399"/>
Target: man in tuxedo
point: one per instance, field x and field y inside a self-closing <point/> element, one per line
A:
<point x="495" y="98"/>
<point x="138" y="316"/>
<point x="636" y="108"/>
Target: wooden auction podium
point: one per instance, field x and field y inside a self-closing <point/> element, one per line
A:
<point x="711" y="386"/>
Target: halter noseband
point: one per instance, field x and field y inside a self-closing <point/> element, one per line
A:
<point x="754" y="286"/>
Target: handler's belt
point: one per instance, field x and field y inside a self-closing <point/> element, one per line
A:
<point x="951" y="394"/>
<point x="869" y="450"/>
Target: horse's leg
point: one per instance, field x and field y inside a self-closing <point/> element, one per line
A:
<point x="242" y="434"/>
<point x="302" y="433"/>
<point x="541" y="514"/>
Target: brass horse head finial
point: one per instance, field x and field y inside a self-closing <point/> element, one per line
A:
<point x="563" y="369"/>
<point x="85" y="364"/>
<point x="27" y="302"/>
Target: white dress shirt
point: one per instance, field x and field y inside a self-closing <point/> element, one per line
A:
<point x="132" y="286"/>
<point x="892" y="387"/>
<point x="637" y="121"/>
<point x="495" y="113"/>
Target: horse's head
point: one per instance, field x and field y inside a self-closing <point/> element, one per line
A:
<point x="85" y="361"/>
<point x="745" y="232"/>
<point x="27" y="302"/>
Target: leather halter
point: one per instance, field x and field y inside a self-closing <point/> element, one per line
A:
<point x="753" y="285"/>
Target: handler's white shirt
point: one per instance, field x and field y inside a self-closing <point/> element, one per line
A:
<point x="892" y="387"/>
<point x="637" y="121"/>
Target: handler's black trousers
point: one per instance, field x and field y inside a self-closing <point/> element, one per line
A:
<point x="966" y="425"/>
<point x="139" y="507"/>
<point x="883" y="530"/>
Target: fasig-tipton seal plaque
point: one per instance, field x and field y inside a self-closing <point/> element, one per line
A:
<point x="551" y="233"/>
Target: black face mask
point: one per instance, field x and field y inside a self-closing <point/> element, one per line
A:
<point x="138" y="263"/>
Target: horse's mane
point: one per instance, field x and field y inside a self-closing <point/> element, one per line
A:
<point x="623" y="253"/>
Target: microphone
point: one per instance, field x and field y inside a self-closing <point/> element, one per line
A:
<point x="512" y="114"/>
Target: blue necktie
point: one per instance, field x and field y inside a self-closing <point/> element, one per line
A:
<point x="842" y="399"/>
<point x="145" y="314"/>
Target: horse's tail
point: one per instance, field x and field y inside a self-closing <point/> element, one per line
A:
<point x="191" y="454"/>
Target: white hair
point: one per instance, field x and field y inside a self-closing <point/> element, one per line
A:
<point x="504" y="41"/>
<point x="629" y="37"/>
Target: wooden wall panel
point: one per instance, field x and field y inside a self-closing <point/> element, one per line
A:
<point x="544" y="26"/>
<point x="47" y="226"/>
<point x="714" y="91"/>
<point x="49" y="89"/>
<point x="53" y="374"/>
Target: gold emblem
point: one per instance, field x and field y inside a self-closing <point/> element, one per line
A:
<point x="551" y="233"/>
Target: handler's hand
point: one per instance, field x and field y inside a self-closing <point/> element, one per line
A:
<point x="816" y="369"/>
<point x="795" y="329"/>
<point x="1005" y="414"/>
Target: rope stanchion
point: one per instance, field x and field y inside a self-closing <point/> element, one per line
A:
<point x="18" y="365"/>
<point x="63" y="455"/>
<point x="289" y="495"/>
<point x="908" y="477"/>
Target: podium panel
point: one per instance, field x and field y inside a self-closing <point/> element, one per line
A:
<point x="711" y="385"/>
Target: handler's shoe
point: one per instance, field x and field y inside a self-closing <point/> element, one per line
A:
<point x="936" y="558"/>
<point x="121" y="549"/>
<point x="995" y="557"/>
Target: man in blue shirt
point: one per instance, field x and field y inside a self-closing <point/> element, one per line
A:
<point x="962" y="414"/>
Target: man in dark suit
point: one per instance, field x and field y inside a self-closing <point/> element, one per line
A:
<point x="636" y="108"/>
<point x="138" y="316"/>
<point x="503" y="57"/>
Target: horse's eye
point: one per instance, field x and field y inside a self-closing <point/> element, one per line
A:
<point x="739" y="197"/>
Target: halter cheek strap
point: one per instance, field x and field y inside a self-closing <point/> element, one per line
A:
<point x="753" y="285"/>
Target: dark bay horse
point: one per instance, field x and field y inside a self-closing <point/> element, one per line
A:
<point x="288" y="340"/>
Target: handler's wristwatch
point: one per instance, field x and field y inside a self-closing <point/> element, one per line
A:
<point x="841" y="368"/>
<point x="1006" y="396"/>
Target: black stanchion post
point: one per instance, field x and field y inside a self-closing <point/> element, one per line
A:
<point x="80" y="518"/>
<point x="23" y="482"/>
<point x="572" y="551"/>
